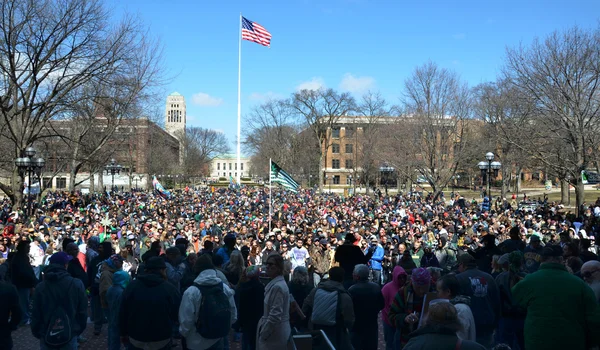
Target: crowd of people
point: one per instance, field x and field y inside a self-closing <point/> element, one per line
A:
<point x="209" y="266"/>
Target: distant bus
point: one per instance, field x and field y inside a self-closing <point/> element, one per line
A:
<point x="593" y="177"/>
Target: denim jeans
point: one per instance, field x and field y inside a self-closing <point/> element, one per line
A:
<point x="377" y="276"/>
<point x="98" y="313"/>
<point x="249" y="340"/>
<point x="24" y="303"/>
<point x="72" y="345"/>
<point x="114" y="340"/>
<point x="388" y="336"/>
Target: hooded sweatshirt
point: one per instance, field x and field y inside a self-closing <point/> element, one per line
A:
<point x="390" y="289"/>
<point x="190" y="307"/>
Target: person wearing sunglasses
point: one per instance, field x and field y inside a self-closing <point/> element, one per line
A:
<point x="590" y="272"/>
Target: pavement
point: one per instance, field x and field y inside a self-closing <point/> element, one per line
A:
<point x="24" y="340"/>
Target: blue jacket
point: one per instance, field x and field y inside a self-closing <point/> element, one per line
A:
<point x="377" y="258"/>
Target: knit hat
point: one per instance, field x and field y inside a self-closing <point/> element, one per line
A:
<point x="60" y="258"/>
<point x="420" y="276"/>
<point x="121" y="278"/>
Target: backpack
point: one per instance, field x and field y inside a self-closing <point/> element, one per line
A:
<point x="325" y="307"/>
<point x="214" y="315"/>
<point x="59" y="331"/>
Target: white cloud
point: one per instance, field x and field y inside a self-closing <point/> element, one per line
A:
<point x="204" y="99"/>
<point x="459" y="36"/>
<point x="356" y="85"/>
<point x="262" y="97"/>
<point x="313" y="84"/>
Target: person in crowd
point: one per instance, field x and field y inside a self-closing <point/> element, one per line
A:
<point x="175" y="266"/>
<point x="429" y="259"/>
<point x="10" y="313"/>
<point x="59" y="290"/>
<point x="510" y="327"/>
<point x="94" y="273"/>
<point x="251" y="303"/>
<point x="299" y="288"/>
<point x="389" y="291"/>
<point x="299" y="255"/>
<point x="590" y="272"/>
<point x="113" y="264"/>
<point x="273" y="331"/>
<point x="227" y="248"/>
<point x="234" y="268"/>
<point x="448" y="288"/>
<point x="440" y="331"/>
<point x="188" y="272"/>
<point x="348" y="255"/>
<point x="120" y="281"/>
<point x="23" y="277"/>
<point x="376" y="260"/>
<point x="74" y="268"/>
<point x="367" y="301"/>
<point x="485" y="298"/>
<point x="147" y="322"/>
<point x="533" y="254"/>
<point x="562" y="310"/>
<point x="216" y="320"/>
<point x="329" y="307"/>
<point x="405" y="311"/>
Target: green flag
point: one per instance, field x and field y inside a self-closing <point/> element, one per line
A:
<point x="279" y="176"/>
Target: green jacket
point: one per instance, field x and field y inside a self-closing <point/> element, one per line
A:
<point x="562" y="311"/>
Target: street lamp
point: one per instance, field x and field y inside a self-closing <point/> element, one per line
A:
<point x="27" y="166"/>
<point x="487" y="167"/>
<point x="136" y="178"/>
<point x="112" y="169"/>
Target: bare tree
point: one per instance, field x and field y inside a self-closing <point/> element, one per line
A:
<point x="561" y="74"/>
<point x="49" y="49"/>
<point x="320" y="110"/>
<point x="201" y="147"/>
<point x="438" y="104"/>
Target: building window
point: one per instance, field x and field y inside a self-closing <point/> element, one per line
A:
<point x="335" y="133"/>
<point x="349" y="164"/>
<point x="335" y="148"/>
<point x="229" y="167"/>
<point x="235" y="174"/>
<point x="61" y="182"/>
<point x="224" y="166"/>
<point x="230" y="173"/>
<point x="218" y="166"/>
<point x="242" y="166"/>
<point x="335" y="163"/>
<point x="348" y="180"/>
<point x="236" y="166"/>
<point x="349" y="148"/>
<point x="47" y="181"/>
<point x="349" y="131"/>
<point x="336" y="179"/>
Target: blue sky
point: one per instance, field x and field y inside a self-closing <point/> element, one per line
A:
<point x="351" y="45"/>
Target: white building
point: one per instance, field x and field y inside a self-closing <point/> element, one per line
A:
<point x="226" y="165"/>
<point x="175" y="119"/>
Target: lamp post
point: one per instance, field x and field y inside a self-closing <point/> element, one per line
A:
<point x="27" y="166"/>
<point x="350" y="182"/>
<point x="112" y="169"/>
<point x="487" y="167"/>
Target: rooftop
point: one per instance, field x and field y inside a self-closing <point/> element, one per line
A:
<point x="175" y="94"/>
<point x="230" y="156"/>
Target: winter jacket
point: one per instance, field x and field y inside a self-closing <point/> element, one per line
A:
<point x="349" y="255"/>
<point x="377" y="258"/>
<point x="485" y="298"/>
<point x="367" y="301"/>
<point x="438" y="338"/>
<point x="562" y="311"/>
<point x="58" y="287"/>
<point x="149" y="309"/>
<point x="273" y="331"/>
<point x="9" y="309"/>
<point x="113" y="299"/>
<point x="190" y="308"/>
<point x="429" y="260"/>
<point x="390" y="289"/>
<point x="106" y="275"/>
<point x="251" y="303"/>
<point x="532" y="258"/>
<point x="408" y="265"/>
<point x="320" y="260"/>
<point x="337" y="334"/>
<point x="21" y="272"/>
<point x="76" y="270"/>
<point x="175" y="273"/>
<point x="465" y="316"/>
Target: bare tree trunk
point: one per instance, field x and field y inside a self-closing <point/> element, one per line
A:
<point x="321" y="170"/>
<point x="92" y="185"/>
<point x="518" y="180"/>
<point x="100" y="181"/>
<point x="564" y="192"/>
<point x="505" y="181"/>
<point x="579" y="195"/>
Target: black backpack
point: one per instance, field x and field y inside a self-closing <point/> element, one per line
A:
<point x="58" y="331"/>
<point x="214" y="315"/>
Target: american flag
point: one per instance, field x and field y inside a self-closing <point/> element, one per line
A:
<point x="253" y="31"/>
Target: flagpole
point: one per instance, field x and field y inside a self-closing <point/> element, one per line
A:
<point x="270" y="195"/>
<point x="239" y="109"/>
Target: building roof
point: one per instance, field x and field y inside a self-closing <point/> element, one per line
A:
<point x="175" y="94"/>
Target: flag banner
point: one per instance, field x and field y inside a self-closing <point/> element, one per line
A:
<point x="279" y="176"/>
<point x="254" y="32"/>
<point x="160" y="189"/>
<point x="584" y="178"/>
